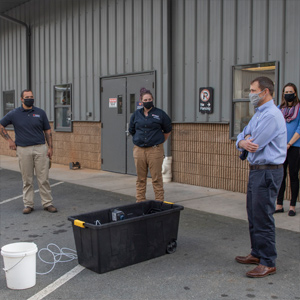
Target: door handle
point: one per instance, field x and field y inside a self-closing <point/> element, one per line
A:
<point x="127" y="130"/>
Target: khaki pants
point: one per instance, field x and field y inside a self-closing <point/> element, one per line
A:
<point x="34" y="158"/>
<point x="151" y="157"/>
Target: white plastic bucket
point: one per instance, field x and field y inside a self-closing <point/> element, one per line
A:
<point x="167" y="169"/>
<point x="20" y="265"/>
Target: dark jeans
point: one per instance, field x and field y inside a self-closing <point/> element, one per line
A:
<point x="293" y="161"/>
<point x="262" y="191"/>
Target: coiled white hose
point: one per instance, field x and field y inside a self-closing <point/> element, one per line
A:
<point x="57" y="256"/>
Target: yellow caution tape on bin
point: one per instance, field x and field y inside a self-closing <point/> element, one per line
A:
<point x="168" y="202"/>
<point x="79" y="223"/>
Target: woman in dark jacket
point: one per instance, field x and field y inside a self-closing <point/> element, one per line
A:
<point x="150" y="127"/>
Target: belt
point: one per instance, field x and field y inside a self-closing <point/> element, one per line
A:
<point x="150" y="146"/>
<point x="265" y="167"/>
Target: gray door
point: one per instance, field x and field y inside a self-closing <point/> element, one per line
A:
<point x="119" y="99"/>
<point x="134" y="84"/>
<point x="113" y="120"/>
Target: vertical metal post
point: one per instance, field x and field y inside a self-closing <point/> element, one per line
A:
<point x="169" y="68"/>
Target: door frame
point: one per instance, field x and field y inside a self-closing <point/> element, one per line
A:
<point x="126" y="75"/>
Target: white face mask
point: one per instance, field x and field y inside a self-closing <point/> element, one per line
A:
<point x="254" y="98"/>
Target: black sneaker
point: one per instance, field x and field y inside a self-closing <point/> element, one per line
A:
<point x="292" y="213"/>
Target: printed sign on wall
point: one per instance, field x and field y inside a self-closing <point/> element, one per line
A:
<point x="206" y="98"/>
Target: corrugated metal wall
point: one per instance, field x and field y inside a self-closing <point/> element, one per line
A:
<point x="210" y="36"/>
<point x="13" y="69"/>
<point x="75" y="41"/>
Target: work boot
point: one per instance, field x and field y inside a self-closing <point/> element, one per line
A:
<point x="27" y="210"/>
<point x="51" y="209"/>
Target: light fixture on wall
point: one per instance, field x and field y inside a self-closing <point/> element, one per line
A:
<point x="266" y="68"/>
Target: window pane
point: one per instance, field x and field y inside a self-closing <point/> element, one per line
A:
<point x="63" y="117"/>
<point x="63" y="107"/>
<point x="243" y="112"/>
<point x="62" y="94"/>
<point x="8" y="101"/>
<point x="120" y="104"/>
<point x="8" y="104"/>
<point x="244" y="74"/>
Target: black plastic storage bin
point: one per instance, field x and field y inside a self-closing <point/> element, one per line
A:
<point x="149" y="229"/>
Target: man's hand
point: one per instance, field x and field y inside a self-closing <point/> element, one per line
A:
<point x="12" y="144"/>
<point x="50" y="153"/>
<point x="166" y="135"/>
<point x="248" y="145"/>
<point x="48" y="136"/>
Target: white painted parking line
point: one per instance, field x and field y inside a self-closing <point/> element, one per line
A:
<point x="17" y="197"/>
<point x="57" y="283"/>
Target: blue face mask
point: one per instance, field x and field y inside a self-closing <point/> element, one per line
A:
<point x="254" y="98"/>
<point x="29" y="102"/>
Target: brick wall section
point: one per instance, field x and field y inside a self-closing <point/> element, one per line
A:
<point x="204" y="155"/>
<point x="82" y="145"/>
<point x="4" y="149"/>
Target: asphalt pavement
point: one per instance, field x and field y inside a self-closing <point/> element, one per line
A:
<point x="212" y="231"/>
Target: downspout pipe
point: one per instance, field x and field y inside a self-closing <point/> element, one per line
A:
<point x="169" y="68"/>
<point x="167" y="163"/>
<point x="28" y="48"/>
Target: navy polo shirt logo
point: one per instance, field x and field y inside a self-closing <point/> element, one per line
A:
<point x="156" y="117"/>
<point x="36" y="116"/>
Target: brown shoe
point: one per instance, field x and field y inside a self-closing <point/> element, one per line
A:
<point x="249" y="259"/>
<point x="51" y="209"/>
<point x="261" y="271"/>
<point x="27" y="210"/>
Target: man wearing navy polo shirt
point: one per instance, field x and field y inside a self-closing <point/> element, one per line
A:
<point x="31" y="127"/>
<point x="264" y="139"/>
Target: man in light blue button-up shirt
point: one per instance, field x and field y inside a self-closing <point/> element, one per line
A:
<point x="263" y="141"/>
<point x="266" y="136"/>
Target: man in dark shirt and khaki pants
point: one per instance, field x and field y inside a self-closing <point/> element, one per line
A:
<point x="31" y="126"/>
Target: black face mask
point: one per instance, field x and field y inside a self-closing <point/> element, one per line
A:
<point x="289" y="97"/>
<point x="148" y="105"/>
<point x="28" y="102"/>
